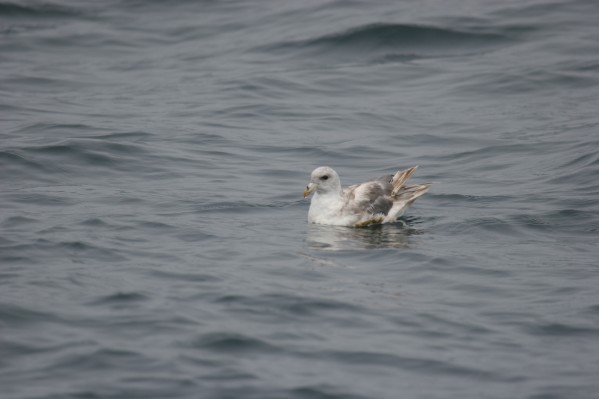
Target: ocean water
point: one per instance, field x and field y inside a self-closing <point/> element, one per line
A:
<point x="154" y="240"/>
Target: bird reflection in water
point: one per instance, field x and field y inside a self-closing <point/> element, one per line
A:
<point x="337" y="238"/>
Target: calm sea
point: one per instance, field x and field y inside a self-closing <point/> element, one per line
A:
<point x="154" y="240"/>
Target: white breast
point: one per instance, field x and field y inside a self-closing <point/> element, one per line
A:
<point x="326" y="209"/>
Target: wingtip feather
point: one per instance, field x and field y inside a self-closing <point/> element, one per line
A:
<point x="400" y="179"/>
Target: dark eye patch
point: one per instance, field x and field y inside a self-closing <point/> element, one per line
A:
<point x="325" y="177"/>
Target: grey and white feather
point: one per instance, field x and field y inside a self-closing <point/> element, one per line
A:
<point x="381" y="200"/>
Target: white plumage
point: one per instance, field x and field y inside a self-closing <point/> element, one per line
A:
<point x="381" y="200"/>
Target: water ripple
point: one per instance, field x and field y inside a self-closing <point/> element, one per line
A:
<point x="391" y="42"/>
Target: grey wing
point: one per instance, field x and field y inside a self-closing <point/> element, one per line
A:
<point x="380" y="205"/>
<point x="372" y="197"/>
<point x="384" y="179"/>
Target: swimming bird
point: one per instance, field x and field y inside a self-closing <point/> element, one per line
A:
<point x="377" y="201"/>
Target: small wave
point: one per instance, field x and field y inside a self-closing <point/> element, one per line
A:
<point x="121" y="298"/>
<point x="233" y="342"/>
<point x="189" y="276"/>
<point x="39" y="11"/>
<point x="102" y="358"/>
<point x="42" y="250"/>
<point x="579" y="166"/>
<point x="392" y="42"/>
<point x="81" y="248"/>
<point x="318" y="392"/>
<point x="533" y="80"/>
<point x="58" y="129"/>
<point x="593" y="310"/>
<point x="77" y="151"/>
<point x="22" y="167"/>
<point x="434" y="366"/>
<point x="13" y="221"/>
<point x="563" y="330"/>
<point x="394" y="35"/>
<point x="493" y="226"/>
<point x="572" y="220"/>
<point x="242" y="207"/>
<point x="21" y="315"/>
<point x="289" y="306"/>
<point x="132" y="136"/>
<point x="95" y="222"/>
<point x="73" y="157"/>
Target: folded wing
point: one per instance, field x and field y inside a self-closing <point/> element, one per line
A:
<point x="382" y="200"/>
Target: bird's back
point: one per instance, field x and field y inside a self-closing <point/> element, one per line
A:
<point x="382" y="200"/>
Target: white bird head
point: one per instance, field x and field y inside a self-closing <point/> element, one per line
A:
<point x="323" y="180"/>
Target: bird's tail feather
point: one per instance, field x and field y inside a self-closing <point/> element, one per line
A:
<point x="403" y="199"/>
<point x="409" y="194"/>
<point x="400" y="178"/>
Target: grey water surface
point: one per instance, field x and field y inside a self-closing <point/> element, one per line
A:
<point x="154" y="240"/>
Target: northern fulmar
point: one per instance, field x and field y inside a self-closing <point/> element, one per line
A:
<point x="377" y="201"/>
